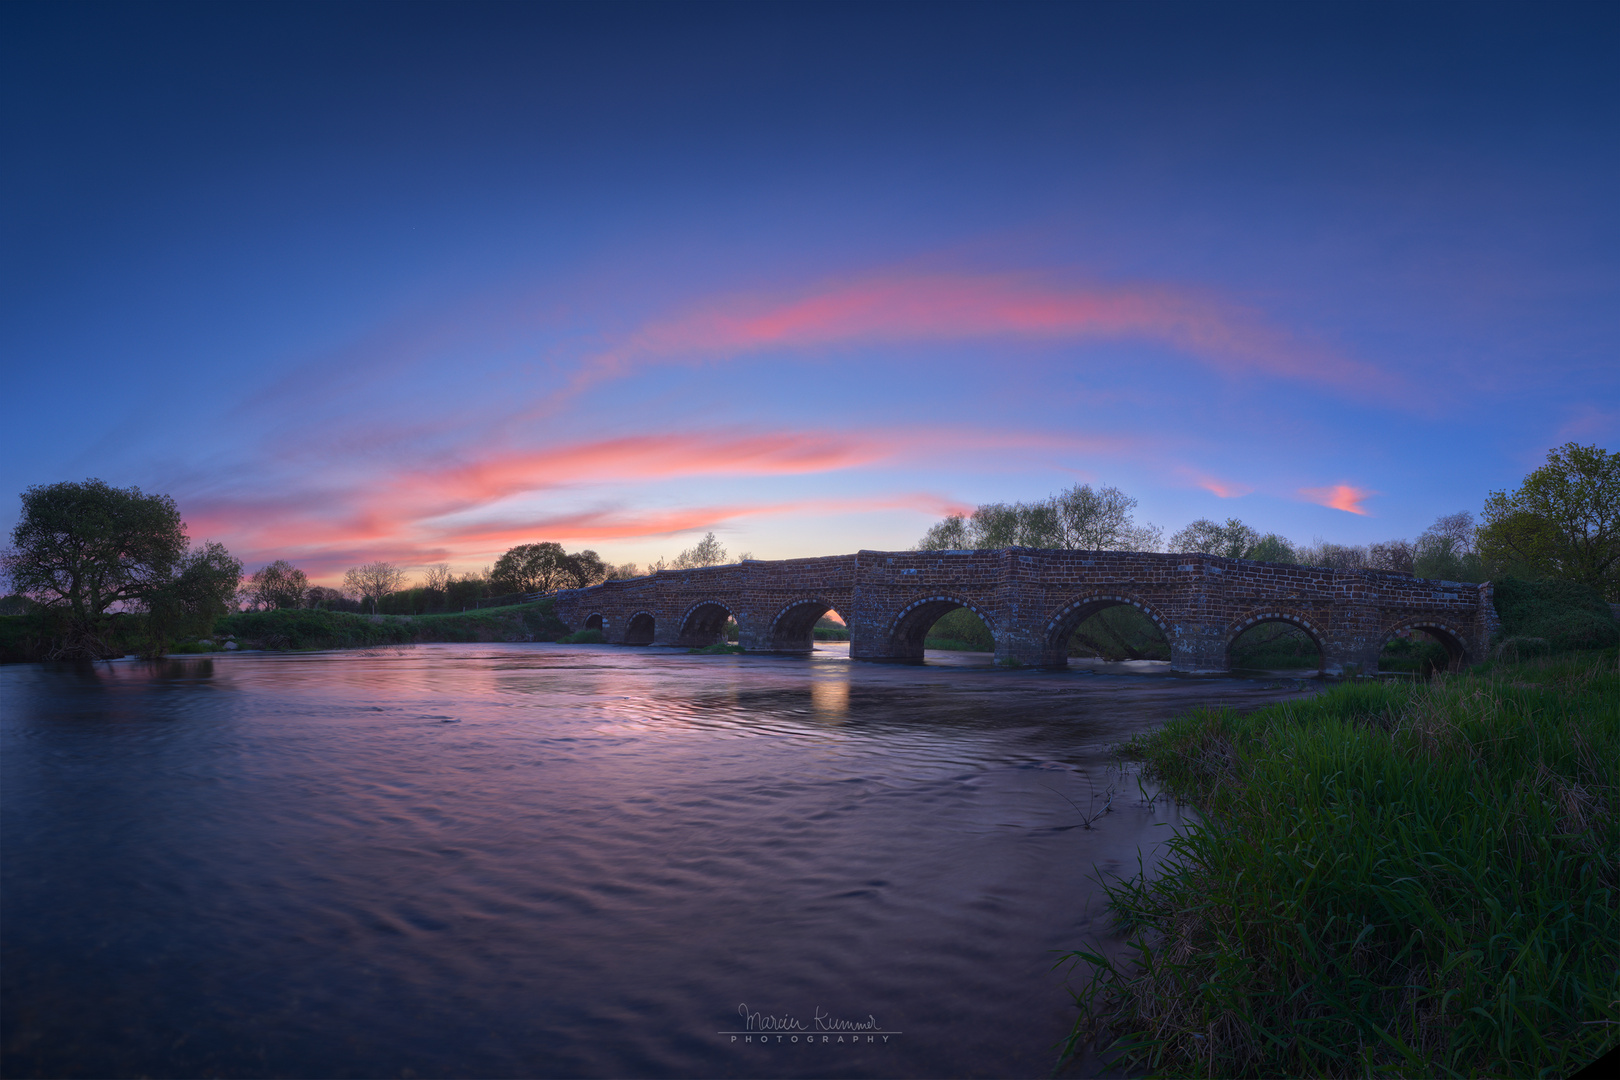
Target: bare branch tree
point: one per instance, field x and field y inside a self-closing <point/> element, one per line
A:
<point x="373" y="581"/>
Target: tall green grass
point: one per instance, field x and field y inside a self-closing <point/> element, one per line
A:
<point x="1390" y="879"/>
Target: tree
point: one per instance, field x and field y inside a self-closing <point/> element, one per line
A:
<point x="1082" y="518"/>
<point x="623" y="572"/>
<point x="201" y="590"/>
<point x="1396" y="556"/>
<point x="1446" y="550"/>
<point x="373" y="581"/>
<point x="585" y="568"/>
<point x="319" y="596"/>
<point x="1562" y="522"/>
<point x="279" y="585"/>
<point x="531" y="568"/>
<point x="706" y="552"/>
<point x="437" y="578"/>
<point x="85" y="547"/>
<point x="1101" y="520"/>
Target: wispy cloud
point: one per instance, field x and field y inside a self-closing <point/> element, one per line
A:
<point x="1339" y="497"/>
<point x="933" y="307"/>
<point x="463" y="509"/>
<point x="1224" y="489"/>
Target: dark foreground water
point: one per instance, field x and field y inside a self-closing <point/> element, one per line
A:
<point x="535" y="860"/>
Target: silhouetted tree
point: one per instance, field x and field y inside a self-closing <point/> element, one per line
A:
<point x="706" y="552"/>
<point x="531" y="568"/>
<point x="373" y="581"/>
<point x="79" y="549"/>
<point x="278" y="585"/>
<point x="1080" y="517"/>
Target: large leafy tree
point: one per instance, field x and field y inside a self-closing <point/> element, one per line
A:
<point x="529" y="568"/>
<point x="85" y="547"/>
<point x="279" y="585"/>
<point x="1562" y="522"/>
<point x="80" y="549"/>
<point x="201" y="590"/>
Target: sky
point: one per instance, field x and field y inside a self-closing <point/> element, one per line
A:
<point x="420" y="282"/>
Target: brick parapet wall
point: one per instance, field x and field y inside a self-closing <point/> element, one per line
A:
<point x="1031" y="599"/>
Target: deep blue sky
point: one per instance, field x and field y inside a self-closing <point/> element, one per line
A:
<point x="419" y="282"/>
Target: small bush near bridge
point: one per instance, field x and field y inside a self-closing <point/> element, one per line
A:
<point x="1390" y="878"/>
<point x="1564" y="615"/>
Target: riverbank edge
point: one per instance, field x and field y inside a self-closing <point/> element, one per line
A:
<point x="1389" y="878"/>
<point x="303" y="629"/>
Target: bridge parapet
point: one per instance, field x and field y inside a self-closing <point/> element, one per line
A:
<point x="1032" y="600"/>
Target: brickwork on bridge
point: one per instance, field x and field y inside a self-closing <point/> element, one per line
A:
<point x="1032" y="600"/>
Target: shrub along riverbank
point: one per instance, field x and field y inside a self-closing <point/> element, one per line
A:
<point x="1418" y="880"/>
<point x="23" y="637"/>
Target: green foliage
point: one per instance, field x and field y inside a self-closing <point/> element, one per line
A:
<point x="89" y="546"/>
<point x="1388" y="879"/>
<point x="583" y="637"/>
<point x="81" y="549"/>
<point x="1563" y="522"/>
<point x="960" y="631"/>
<point x="1121" y="632"/>
<point x="1274" y="646"/>
<point x="310" y="629"/>
<point x="1415" y="655"/>
<point x="530" y="568"/>
<point x="719" y="648"/>
<point x="201" y="592"/>
<point x="278" y="585"/>
<point x="544" y="567"/>
<point x="1567" y="615"/>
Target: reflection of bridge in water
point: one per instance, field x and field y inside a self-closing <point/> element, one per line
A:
<point x="1032" y="600"/>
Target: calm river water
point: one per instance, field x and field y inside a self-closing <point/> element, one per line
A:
<point x="537" y="860"/>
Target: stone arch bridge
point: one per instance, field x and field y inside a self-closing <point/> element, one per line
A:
<point x="1032" y="600"/>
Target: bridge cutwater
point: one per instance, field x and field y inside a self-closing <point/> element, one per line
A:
<point x="1032" y="600"/>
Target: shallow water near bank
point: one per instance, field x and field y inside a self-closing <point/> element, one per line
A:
<point x="540" y="860"/>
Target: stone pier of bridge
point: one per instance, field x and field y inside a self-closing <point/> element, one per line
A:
<point x="1032" y="600"/>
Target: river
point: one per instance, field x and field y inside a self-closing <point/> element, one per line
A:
<point x="538" y="860"/>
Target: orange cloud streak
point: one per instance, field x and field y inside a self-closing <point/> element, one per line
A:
<point x="1339" y="497"/>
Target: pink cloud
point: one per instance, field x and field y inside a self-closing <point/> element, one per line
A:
<point x="1339" y="497"/>
<point x="925" y="307"/>
<point x="417" y="515"/>
<point x="1224" y="489"/>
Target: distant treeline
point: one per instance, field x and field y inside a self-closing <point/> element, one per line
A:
<point x="1563" y="523"/>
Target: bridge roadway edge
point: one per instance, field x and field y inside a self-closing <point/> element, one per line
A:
<point x="1031" y="599"/>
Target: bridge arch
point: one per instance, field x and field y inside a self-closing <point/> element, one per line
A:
<point x="792" y="629"/>
<point x="704" y="624"/>
<point x="639" y="630"/>
<point x="1450" y="639"/>
<point x="1061" y="627"/>
<point x="1258" y="618"/>
<point x="909" y="629"/>
<point x="593" y="621"/>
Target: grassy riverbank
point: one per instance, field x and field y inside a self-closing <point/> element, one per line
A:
<point x="27" y="637"/>
<point x="304" y="629"/>
<point x="1418" y="880"/>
